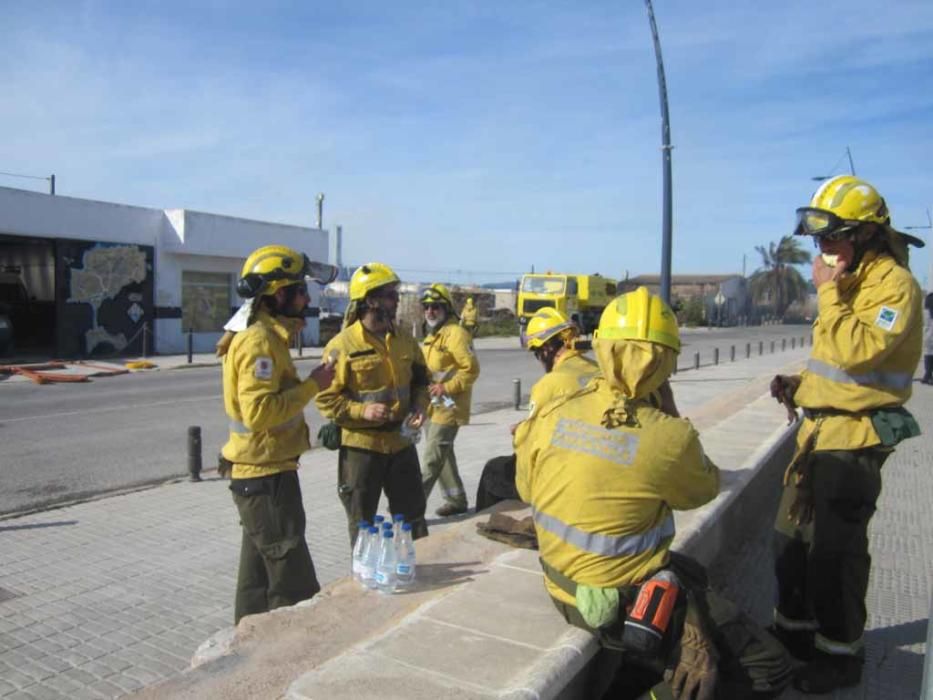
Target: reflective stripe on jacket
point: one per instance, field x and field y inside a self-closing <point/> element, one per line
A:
<point x="603" y="498"/>
<point x="571" y="372"/>
<point x="372" y="370"/>
<point x="264" y="400"/>
<point x="452" y="362"/>
<point x="866" y="347"/>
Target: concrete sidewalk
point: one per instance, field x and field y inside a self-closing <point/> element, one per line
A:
<point x="105" y="597"/>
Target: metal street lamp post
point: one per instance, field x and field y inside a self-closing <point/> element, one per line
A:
<point x="820" y="178"/>
<point x="665" y="160"/>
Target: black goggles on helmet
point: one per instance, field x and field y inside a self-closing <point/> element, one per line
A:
<point x="431" y="296"/>
<point x="823" y="224"/>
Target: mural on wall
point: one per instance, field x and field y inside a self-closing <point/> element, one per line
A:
<point x="104" y="296"/>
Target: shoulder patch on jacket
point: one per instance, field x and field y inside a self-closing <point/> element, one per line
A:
<point x="263" y="368"/>
<point x="886" y="318"/>
<point x="362" y="353"/>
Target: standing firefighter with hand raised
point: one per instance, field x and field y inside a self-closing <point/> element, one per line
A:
<point x="378" y="398"/>
<point x="603" y="469"/>
<point x="866" y="347"/>
<point x="265" y="399"/>
<point x="453" y="368"/>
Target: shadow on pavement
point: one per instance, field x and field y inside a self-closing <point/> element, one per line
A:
<point x="38" y="526"/>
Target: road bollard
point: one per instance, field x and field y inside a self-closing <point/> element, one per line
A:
<point x="190" y="345"/>
<point x="772" y="347"/>
<point x="732" y="353"/>
<point x="715" y="356"/>
<point x="783" y="344"/>
<point x="299" y="345"/>
<point x="145" y="339"/>
<point x="793" y="343"/>
<point x="696" y="360"/>
<point x="194" y="452"/>
<point x="517" y="393"/>
<point x="761" y="348"/>
<point x="748" y="350"/>
<point x="803" y="341"/>
<point x="675" y="366"/>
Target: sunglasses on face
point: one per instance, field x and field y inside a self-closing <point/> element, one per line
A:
<point x="390" y="296"/>
<point x="432" y="307"/>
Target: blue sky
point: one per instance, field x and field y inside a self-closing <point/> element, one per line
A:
<point x="483" y="137"/>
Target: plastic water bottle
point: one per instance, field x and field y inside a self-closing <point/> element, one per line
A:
<point x="370" y="558"/>
<point x="397" y="521"/>
<point x="385" y="569"/>
<point x="405" y="567"/>
<point x="377" y="521"/>
<point x="443" y="400"/>
<point x="362" y="539"/>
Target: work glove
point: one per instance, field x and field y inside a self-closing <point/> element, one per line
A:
<point x="783" y="388"/>
<point x="695" y="676"/>
<point x="800" y="511"/>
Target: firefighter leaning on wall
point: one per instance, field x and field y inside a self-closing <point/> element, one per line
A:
<point x="603" y="470"/>
<point x="453" y="368"/>
<point x="866" y="347"/>
<point x="265" y="399"/>
<point x="380" y="391"/>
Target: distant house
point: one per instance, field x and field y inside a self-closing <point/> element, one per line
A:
<point x="736" y="299"/>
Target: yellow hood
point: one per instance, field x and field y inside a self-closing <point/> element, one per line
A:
<point x="633" y="369"/>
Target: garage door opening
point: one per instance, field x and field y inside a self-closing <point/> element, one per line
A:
<point x="27" y="298"/>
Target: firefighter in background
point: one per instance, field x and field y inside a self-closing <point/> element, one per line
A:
<point x="264" y="399"/>
<point x="468" y="317"/>
<point x="866" y="347"/>
<point x="378" y="399"/>
<point x="452" y="368"/>
<point x="603" y="470"/>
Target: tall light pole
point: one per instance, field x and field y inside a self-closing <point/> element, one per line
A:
<point x="665" y="161"/>
<point x="820" y="178"/>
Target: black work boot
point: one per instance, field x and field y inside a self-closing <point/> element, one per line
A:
<point x="798" y="642"/>
<point x="827" y="672"/>
<point x="449" y="509"/>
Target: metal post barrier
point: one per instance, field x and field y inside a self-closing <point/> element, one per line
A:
<point x="299" y="343"/>
<point x="517" y="393"/>
<point x="715" y="356"/>
<point x="761" y="347"/>
<point x="145" y="339"/>
<point x="194" y="452"/>
<point x="783" y="344"/>
<point x="675" y="365"/>
<point x="748" y="350"/>
<point x="926" y="689"/>
<point x="732" y="353"/>
<point x="190" y="344"/>
<point x="696" y="360"/>
<point x="793" y="343"/>
<point x="772" y="347"/>
<point x="803" y="341"/>
<point x="811" y="340"/>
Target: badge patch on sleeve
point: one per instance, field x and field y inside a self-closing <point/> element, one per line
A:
<point x="886" y="318"/>
<point x="263" y="369"/>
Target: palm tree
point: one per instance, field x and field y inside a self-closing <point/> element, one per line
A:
<point x="777" y="281"/>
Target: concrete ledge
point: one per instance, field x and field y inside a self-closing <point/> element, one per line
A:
<point x="479" y="624"/>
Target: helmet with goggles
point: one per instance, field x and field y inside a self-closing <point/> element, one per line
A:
<point x="272" y="267"/>
<point x="841" y="204"/>
<point x="438" y="294"/>
<point x="548" y="323"/>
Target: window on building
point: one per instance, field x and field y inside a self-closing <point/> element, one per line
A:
<point x="205" y="301"/>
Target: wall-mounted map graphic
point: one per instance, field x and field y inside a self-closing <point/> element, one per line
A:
<point x="104" y="294"/>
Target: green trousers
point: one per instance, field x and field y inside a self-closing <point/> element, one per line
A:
<point x="752" y="663"/>
<point x="275" y="566"/>
<point x="440" y="464"/>
<point x="362" y="476"/>
<point x="822" y="567"/>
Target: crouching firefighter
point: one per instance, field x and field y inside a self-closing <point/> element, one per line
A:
<point x="603" y="468"/>
<point x="265" y="400"/>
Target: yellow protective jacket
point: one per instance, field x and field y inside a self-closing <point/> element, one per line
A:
<point x="452" y="362"/>
<point x="571" y="372"/>
<point x="602" y="499"/>
<point x="866" y="346"/>
<point x="370" y="369"/>
<point x="265" y="399"/>
<point x="468" y="315"/>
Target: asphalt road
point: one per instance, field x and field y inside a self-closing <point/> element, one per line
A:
<point x="67" y="441"/>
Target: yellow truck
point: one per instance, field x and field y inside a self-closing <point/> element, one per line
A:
<point x="581" y="297"/>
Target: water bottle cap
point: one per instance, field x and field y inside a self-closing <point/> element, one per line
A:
<point x="387" y="525"/>
<point x="373" y="530"/>
<point x="379" y="518"/>
<point x="398" y="517"/>
<point x="363" y="524"/>
<point x="406" y="527"/>
<point x="387" y="534"/>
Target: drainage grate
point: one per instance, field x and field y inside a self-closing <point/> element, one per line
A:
<point x="6" y="595"/>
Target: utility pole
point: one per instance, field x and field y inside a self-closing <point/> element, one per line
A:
<point x="851" y="164"/>
<point x="665" y="160"/>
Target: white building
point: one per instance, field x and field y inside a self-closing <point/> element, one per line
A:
<point x="103" y="276"/>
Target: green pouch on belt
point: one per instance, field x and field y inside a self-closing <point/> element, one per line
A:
<point x="598" y="606"/>
<point x="329" y="435"/>
<point x="894" y="424"/>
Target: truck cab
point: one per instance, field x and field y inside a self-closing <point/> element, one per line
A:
<point x="581" y="298"/>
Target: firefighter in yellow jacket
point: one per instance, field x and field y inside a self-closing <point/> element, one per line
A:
<point x="378" y="398"/>
<point x="866" y="347"/>
<point x="603" y="470"/>
<point x="452" y="368"/>
<point x="468" y="316"/>
<point x="264" y="399"/>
